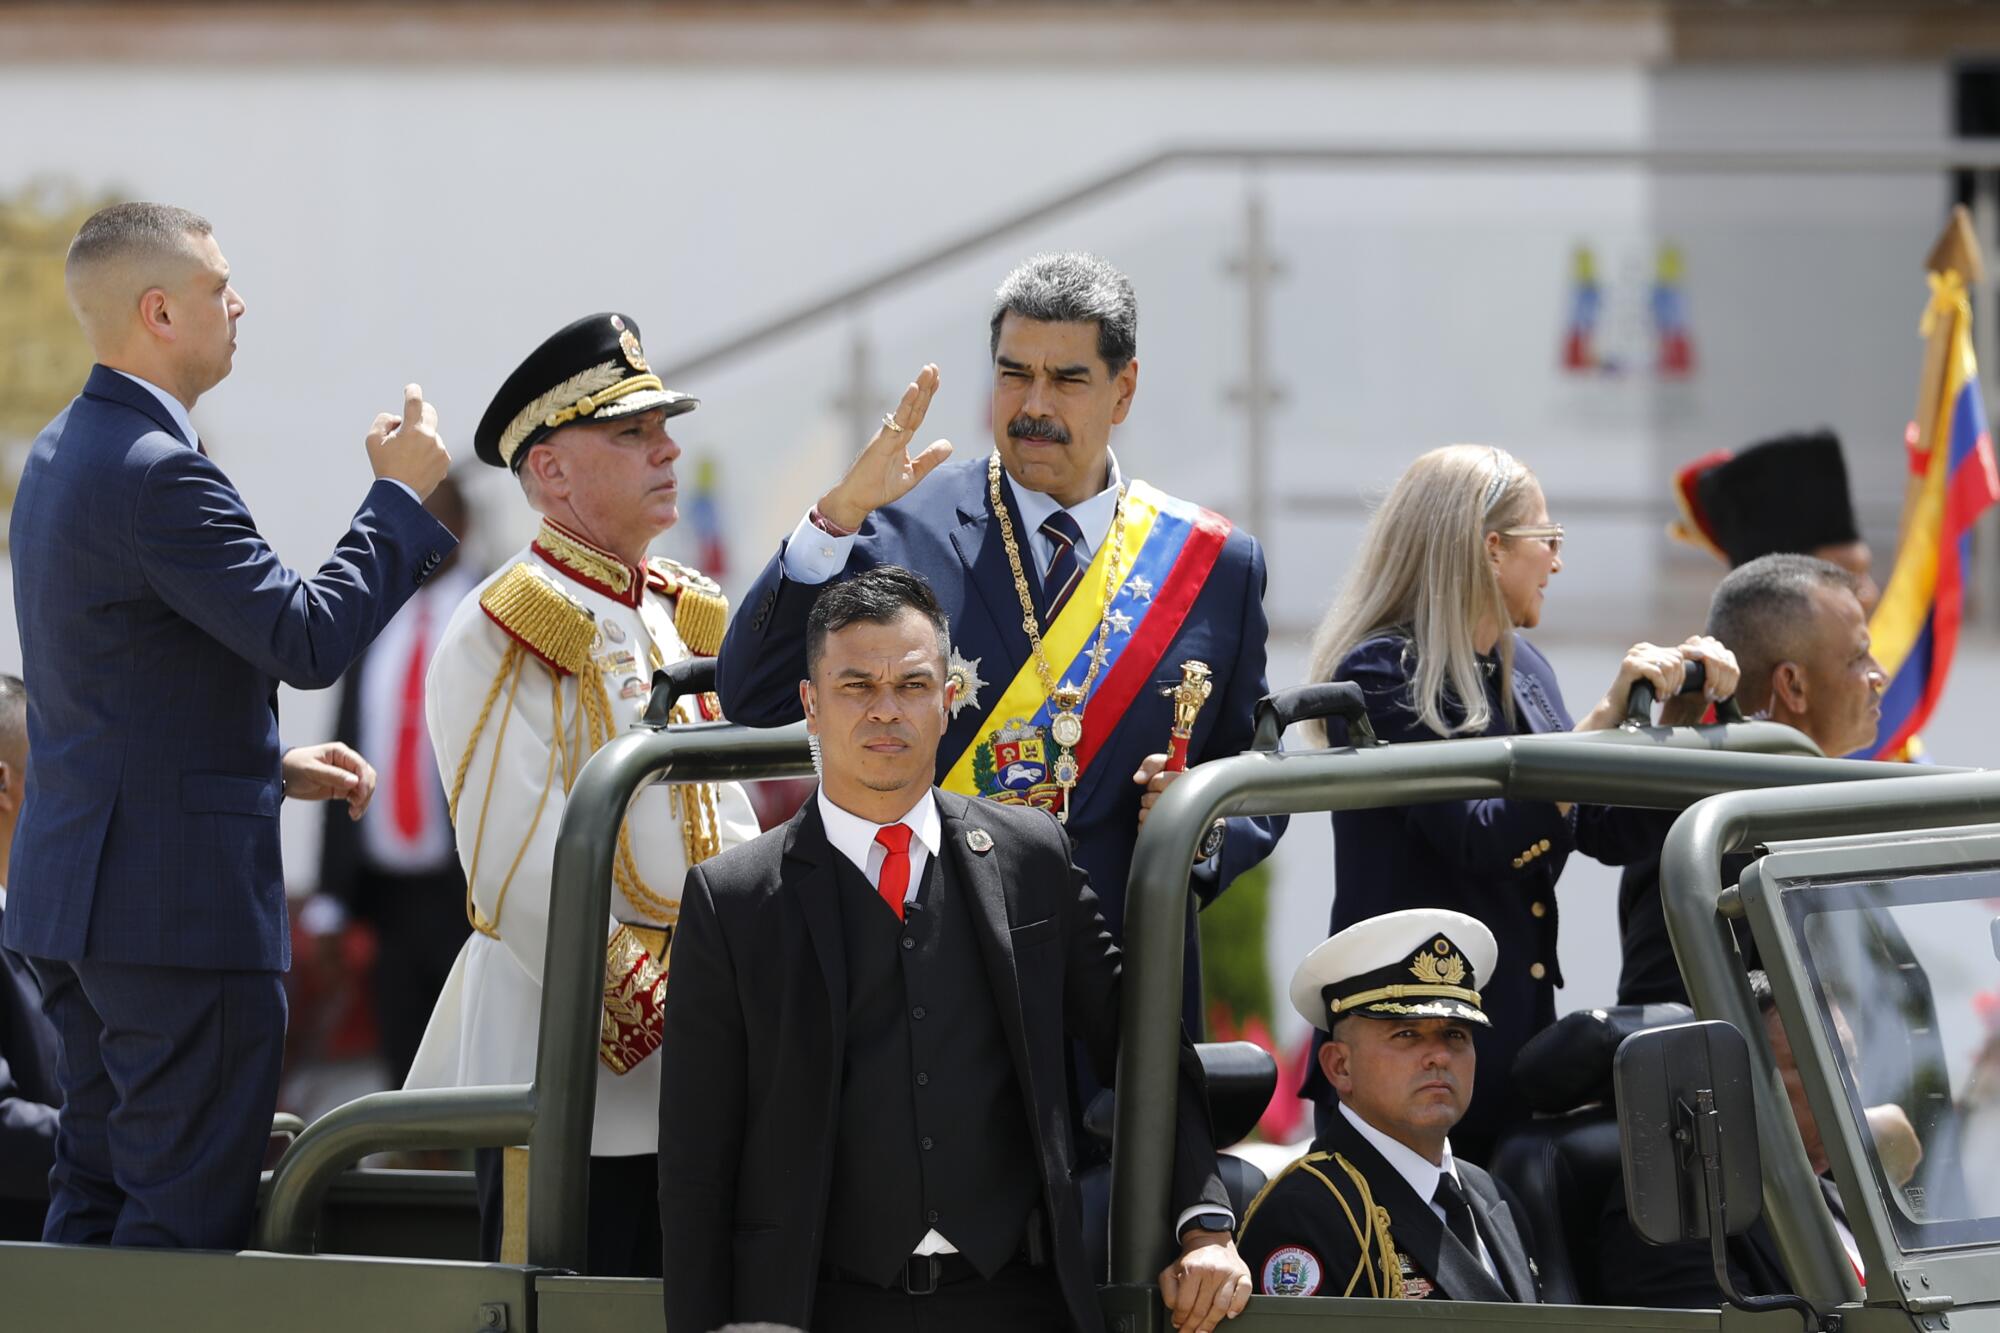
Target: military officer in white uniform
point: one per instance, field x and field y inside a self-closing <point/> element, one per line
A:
<point x="539" y="666"/>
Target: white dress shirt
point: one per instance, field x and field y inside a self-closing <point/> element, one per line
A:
<point x="813" y="557"/>
<point x="1420" y="1172"/>
<point x="854" y="838"/>
<point x="178" y="410"/>
<point x="175" y="407"/>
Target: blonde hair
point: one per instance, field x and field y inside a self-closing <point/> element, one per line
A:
<point x="1423" y="572"/>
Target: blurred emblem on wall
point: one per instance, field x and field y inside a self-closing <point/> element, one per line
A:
<point x="43" y="357"/>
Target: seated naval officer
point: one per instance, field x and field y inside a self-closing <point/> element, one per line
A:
<point x="1380" y="1207"/>
<point x="539" y="666"/>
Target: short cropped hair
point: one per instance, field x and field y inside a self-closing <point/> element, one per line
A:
<point x="1762" y="611"/>
<point x="13" y="719"/>
<point x="880" y="596"/>
<point x="127" y="228"/>
<point x="1073" y="288"/>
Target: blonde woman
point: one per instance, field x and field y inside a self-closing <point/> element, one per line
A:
<point x="1454" y="564"/>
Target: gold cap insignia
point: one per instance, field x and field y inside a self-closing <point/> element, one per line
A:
<point x="633" y="354"/>
<point x="1433" y="970"/>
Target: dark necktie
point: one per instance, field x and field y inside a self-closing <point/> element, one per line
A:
<point x="1064" y="570"/>
<point x="1457" y="1213"/>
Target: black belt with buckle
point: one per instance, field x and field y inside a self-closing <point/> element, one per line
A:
<point x="923" y="1274"/>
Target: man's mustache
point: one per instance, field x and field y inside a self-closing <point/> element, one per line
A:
<point x="1025" y="427"/>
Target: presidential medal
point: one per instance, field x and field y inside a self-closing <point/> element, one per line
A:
<point x="1067" y="728"/>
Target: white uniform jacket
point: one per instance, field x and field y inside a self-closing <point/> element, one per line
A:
<point x="539" y="665"/>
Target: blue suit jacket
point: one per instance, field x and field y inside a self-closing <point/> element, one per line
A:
<point x="156" y="625"/>
<point x="944" y="530"/>
<point x="1495" y="859"/>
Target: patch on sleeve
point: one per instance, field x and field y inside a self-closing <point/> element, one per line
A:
<point x="1291" y="1271"/>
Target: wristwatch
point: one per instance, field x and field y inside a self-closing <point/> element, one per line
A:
<point x="1211" y="841"/>
<point x="1210" y="1221"/>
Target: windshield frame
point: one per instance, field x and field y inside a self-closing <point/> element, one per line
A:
<point x="1917" y="1261"/>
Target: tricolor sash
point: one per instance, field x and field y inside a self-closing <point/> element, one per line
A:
<point x="1168" y="548"/>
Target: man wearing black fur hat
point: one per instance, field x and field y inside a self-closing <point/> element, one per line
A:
<point x="539" y="666"/>
<point x="1380" y="1207"/>
<point x="1784" y="496"/>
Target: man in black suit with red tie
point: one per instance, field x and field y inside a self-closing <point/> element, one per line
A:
<point x="864" y="1116"/>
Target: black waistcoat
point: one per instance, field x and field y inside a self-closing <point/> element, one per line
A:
<point x="933" y="1129"/>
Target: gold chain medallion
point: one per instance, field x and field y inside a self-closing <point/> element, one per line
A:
<point x="1066" y="725"/>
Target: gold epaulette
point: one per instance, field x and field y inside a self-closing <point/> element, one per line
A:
<point x="544" y="619"/>
<point x="701" y="612"/>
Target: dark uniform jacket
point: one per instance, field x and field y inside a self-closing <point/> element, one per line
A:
<point x="29" y="1096"/>
<point x="1682" y="1277"/>
<point x="1495" y="859"/>
<point x="1341" y="1221"/>
<point x="756" y="1040"/>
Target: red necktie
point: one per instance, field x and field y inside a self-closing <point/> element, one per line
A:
<point x="895" y="881"/>
<point x="409" y="803"/>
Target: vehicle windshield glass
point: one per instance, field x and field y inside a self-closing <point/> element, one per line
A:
<point x="1905" y="977"/>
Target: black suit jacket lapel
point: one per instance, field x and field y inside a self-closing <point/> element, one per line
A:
<point x="984" y="890"/>
<point x="809" y="878"/>
<point x="1417" y="1231"/>
<point x="1502" y="1237"/>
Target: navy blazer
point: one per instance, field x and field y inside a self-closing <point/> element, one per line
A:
<point x="1494" y="859"/>
<point x="944" y="530"/>
<point x="156" y="625"/>
<point x="29" y="1096"/>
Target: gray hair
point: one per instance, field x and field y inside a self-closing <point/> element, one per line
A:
<point x="1073" y="288"/>
<point x="122" y="229"/>
<point x="1423" y="572"/>
<point x="1763" y="612"/>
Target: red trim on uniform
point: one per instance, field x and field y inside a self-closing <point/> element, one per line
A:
<point x="539" y="655"/>
<point x="632" y="594"/>
<point x="1171" y="604"/>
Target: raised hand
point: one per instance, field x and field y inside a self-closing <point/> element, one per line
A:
<point x="407" y="448"/>
<point x="885" y="472"/>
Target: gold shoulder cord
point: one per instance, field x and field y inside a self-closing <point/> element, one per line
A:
<point x="1390" y="1279"/>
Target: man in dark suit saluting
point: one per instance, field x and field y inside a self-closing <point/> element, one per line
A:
<point x="863" y="1115"/>
<point x="1380" y="1207"/>
<point x="156" y="625"/>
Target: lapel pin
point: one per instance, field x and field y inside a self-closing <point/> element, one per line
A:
<point x="979" y="840"/>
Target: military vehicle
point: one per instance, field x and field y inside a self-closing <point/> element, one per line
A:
<point x="1872" y="911"/>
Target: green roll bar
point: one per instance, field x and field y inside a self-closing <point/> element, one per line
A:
<point x="1650" y="767"/>
<point x="554" y="1113"/>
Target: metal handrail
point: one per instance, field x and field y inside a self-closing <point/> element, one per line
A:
<point x="554" y="1114"/>
<point x="1920" y="157"/>
<point x="1654" y="768"/>
<point x="1691" y="882"/>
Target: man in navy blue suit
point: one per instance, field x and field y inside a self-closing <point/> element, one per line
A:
<point x="156" y="625"/>
<point x="1075" y="593"/>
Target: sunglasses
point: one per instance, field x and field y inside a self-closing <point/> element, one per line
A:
<point x="1552" y="533"/>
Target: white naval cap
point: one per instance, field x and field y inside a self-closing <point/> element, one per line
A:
<point x="1425" y="962"/>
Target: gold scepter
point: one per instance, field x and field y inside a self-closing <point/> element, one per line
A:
<point x="1188" y="697"/>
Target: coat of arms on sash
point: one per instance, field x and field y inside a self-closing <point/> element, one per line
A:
<point x="1012" y="766"/>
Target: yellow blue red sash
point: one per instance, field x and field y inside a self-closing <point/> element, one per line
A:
<point x="1168" y="548"/>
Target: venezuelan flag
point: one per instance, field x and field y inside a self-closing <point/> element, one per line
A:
<point x="1915" y="627"/>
